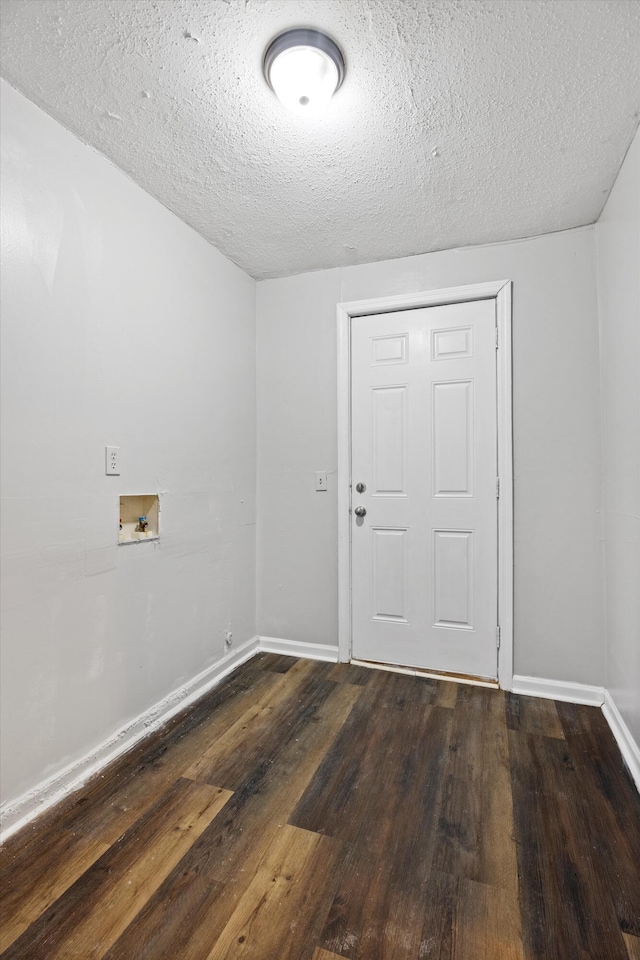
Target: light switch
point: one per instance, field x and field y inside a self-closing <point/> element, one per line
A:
<point x="112" y="461"/>
<point x="321" y="480"/>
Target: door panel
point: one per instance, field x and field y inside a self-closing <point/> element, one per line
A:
<point x="424" y="555"/>
<point x="452" y="431"/>
<point x="389" y="349"/>
<point x="453" y="578"/>
<point x="389" y="574"/>
<point x="389" y="440"/>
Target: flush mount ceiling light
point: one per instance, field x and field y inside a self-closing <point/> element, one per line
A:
<point x="304" y="68"/>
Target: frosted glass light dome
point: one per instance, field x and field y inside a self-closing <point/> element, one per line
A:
<point x="304" y="68"/>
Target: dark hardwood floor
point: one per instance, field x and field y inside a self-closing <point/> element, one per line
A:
<point x="313" y="811"/>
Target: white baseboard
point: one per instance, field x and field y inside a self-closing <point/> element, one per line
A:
<point x="628" y="747"/>
<point x="559" y="690"/>
<point x="296" y="648"/>
<point x="17" y="813"/>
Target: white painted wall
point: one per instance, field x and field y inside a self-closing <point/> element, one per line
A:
<point x="297" y="415"/>
<point x="557" y="453"/>
<point x="618" y="247"/>
<point x="120" y="325"/>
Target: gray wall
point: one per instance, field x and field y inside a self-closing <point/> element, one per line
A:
<point x="557" y="444"/>
<point x="618" y="244"/>
<point x="122" y="326"/>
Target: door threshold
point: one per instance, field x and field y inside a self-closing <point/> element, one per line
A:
<point x="430" y="674"/>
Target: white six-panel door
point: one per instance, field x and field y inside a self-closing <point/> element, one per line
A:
<point x="424" y="554"/>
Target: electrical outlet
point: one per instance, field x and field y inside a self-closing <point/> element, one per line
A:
<point x="112" y="461"/>
<point x="321" y="480"/>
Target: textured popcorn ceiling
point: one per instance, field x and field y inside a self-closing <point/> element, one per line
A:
<point x="459" y="122"/>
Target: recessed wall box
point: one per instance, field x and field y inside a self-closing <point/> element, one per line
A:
<point x="139" y="518"/>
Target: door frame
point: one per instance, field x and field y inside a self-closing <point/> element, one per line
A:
<point x="501" y="292"/>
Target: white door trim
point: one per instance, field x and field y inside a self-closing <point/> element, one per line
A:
<point x="501" y="291"/>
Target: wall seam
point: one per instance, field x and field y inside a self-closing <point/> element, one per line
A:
<point x="603" y="538"/>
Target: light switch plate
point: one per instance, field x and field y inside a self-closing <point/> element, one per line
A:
<point x="321" y="479"/>
<point x="112" y="461"/>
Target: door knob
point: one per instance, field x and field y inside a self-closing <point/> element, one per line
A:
<point x="360" y="511"/>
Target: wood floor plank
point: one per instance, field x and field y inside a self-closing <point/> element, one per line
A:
<point x="437" y="938"/>
<point x="612" y="816"/>
<point x="487" y="924"/>
<point x="533" y="715"/>
<point x="388" y="859"/>
<point x="341" y="672"/>
<point x="324" y="955"/>
<point x="344" y="799"/>
<point x="633" y="946"/>
<point x="465" y="919"/>
<point x="227" y="854"/>
<point x="348" y="673"/>
<point x="235" y="757"/>
<point x="372" y="914"/>
<point x="341" y="800"/>
<point x="393" y="924"/>
<point x="235" y="738"/>
<point x="94" y="912"/>
<point x="475" y="835"/>
<point x="106" y="810"/>
<point x="277" y="662"/>
<point x="283" y="907"/>
<point x="566" y="907"/>
<point x="26" y="894"/>
<point x="464" y="824"/>
<point x="594" y="748"/>
<point x="447" y="694"/>
<point x="386" y="688"/>
<point x="266" y="799"/>
<point x="163" y="927"/>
